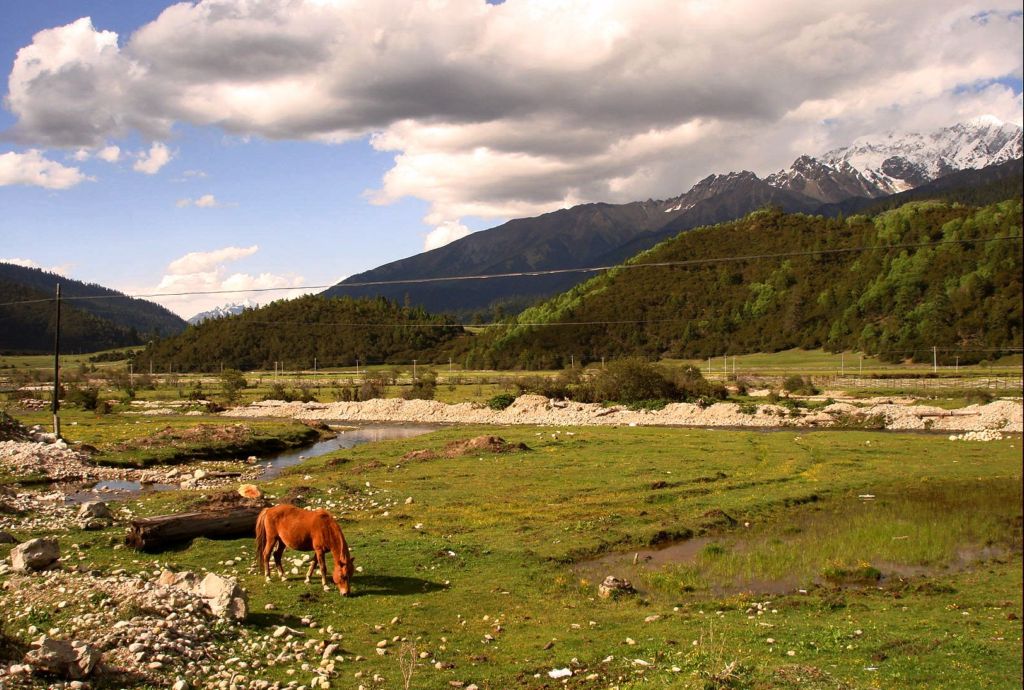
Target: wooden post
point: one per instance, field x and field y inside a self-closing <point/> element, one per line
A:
<point x="56" y="371"/>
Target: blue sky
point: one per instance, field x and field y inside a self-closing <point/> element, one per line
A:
<point x="320" y="140"/>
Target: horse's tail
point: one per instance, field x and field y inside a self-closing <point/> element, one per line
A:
<point x="261" y="537"/>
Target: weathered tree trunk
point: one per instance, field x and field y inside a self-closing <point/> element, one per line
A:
<point x="156" y="533"/>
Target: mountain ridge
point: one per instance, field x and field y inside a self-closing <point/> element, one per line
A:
<point x="599" y="233"/>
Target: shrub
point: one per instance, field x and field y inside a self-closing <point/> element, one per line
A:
<point x="691" y="385"/>
<point x="232" y="382"/>
<point x="86" y="397"/>
<point x="977" y="396"/>
<point x="630" y="381"/>
<point x="422" y="388"/>
<point x="501" y="401"/>
<point x="799" y="385"/>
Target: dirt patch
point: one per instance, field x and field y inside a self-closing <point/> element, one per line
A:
<point x="229" y="499"/>
<point x="201" y="434"/>
<point x="297" y="495"/>
<point x="482" y="444"/>
<point x="423" y="454"/>
<point x="11" y="429"/>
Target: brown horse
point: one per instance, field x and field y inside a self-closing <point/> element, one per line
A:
<point x="304" y="530"/>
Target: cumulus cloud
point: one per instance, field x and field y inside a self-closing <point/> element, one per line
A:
<point x="443" y="234"/>
<point x="200" y="262"/>
<point x="517" y="108"/>
<point x="150" y="162"/>
<point x="61" y="269"/>
<point x="209" y="271"/>
<point x="33" y="169"/>
<point x="110" y="154"/>
<point x="205" y="201"/>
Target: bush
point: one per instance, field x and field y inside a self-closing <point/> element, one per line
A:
<point x="691" y="385"/>
<point x="422" y="388"/>
<point x="501" y="401"/>
<point x="374" y="385"/>
<point x="799" y="385"/>
<point x="630" y="381"/>
<point x="977" y="396"/>
<point x="232" y="382"/>
<point x="86" y="397"/>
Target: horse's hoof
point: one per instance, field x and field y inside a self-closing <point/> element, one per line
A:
<point x="326" y="588"/>
<point x="268" y="578"/>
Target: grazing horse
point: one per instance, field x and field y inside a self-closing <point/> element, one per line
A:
<point x="304" y="530"/>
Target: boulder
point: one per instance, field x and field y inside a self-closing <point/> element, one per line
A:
<point x="94" y="515"/>
<point x="35" y="554"/>
<point x="72" y="660"/>
<point x="7" y="538"/>
<point x="614" y="587"/>
<point x="224" y="596"/>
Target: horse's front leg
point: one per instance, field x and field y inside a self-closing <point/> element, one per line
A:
<point x="323" y="568"/>
<point x="309" y="573"/>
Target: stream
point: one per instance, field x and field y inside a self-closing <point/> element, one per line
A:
<point x="348" y="437"/>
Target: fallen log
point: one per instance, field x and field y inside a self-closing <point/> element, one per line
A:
<point x="161" y="531"/>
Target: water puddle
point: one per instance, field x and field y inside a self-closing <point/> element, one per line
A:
<point x="119" y="490"/>
<point x="643" y="566"/>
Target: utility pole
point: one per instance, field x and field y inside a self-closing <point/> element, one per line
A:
<point x="572" y="361"/>
<point x="935" y="359"/>
<point x="449" y="368"/>
<point x="414" y="370"/>
<point x="842" y="364"/>
<point x="56" y="371"/>
<point x="709" y="366"/>
<point x="958" y="365"/>
<point x="131" y="374"/>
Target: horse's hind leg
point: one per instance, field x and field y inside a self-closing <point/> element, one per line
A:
<point x="265" y="556"/>
<point x="278" y="550"/>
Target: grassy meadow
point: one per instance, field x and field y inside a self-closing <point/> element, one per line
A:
<point x="820" y="560"/>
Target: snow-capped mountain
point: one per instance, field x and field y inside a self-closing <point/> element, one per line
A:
<point x="223" y="310"/>
<point x="876" y="166"/>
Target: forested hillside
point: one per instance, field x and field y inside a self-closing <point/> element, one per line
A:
<point x="897" y="303"/>
<point x="106" y="319"/>
<point x="335" y="332"/>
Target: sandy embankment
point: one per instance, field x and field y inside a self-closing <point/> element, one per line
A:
<point x="1001" y="415"/>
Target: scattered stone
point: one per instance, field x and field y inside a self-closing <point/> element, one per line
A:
<point x="72" y="660"/>
<point x="614" y="587"/>
<point x="35" y="554"/>
<point x="7" y="538"/>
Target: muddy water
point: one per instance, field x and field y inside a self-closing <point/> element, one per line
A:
<point x="349" y="437"/>
<point x="638" y="566"/>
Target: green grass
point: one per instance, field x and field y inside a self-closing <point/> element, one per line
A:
<point x="501" y="536"/>
<point x="128" y="440"/>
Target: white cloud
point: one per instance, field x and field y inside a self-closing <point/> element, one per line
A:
<point x="208" y="272"/>
<point x="33" y="169"/>
<point x="61" y="269"/>
<point x="201" y="262"/>
<point x="150" y="162"/>
<point x="443" y="234"/>
<point x="205" y="201"/>
<point x="527" y="106"/>
<point x="110" y="154"/>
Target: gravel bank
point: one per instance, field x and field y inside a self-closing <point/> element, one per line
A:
<point x="1001" y="415"/>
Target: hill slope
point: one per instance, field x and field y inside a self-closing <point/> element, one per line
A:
<point x="87" y="325"/>
<point x="335" y="332"/>
<point x="894" y="302"/>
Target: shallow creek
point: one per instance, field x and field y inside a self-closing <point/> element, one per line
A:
<point x="348" y="437"/>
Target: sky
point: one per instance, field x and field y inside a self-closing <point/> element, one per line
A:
<point x="235" y="144"/>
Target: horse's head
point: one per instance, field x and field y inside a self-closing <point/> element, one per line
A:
<point x="342" y="575"/>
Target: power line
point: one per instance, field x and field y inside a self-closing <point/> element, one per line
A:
<point x="541" y="272"/>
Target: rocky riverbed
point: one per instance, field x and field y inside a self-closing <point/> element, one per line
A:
<point x="898" y="414"/>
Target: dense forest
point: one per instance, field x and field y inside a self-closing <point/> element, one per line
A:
<point x="92" y="317"/>
<point x="331" y="331"/>
<point x="962" y="297"/>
